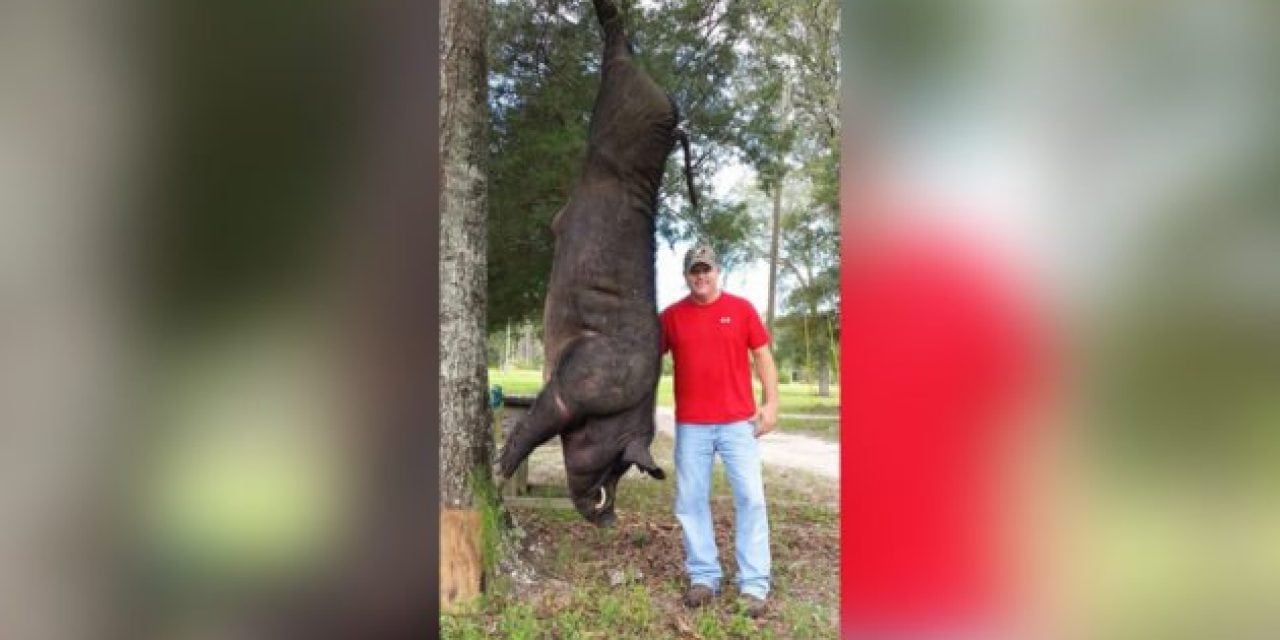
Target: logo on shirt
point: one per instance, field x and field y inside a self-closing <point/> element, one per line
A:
<point x="725" y="320"/>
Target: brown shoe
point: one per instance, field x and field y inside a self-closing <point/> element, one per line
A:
<point x="752" y="606"/>
<point x="698" y="595"/>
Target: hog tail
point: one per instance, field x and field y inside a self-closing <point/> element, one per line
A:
<point x="688" y="167"/>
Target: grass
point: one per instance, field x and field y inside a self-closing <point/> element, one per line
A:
<point x="825" y="428"/>
<point x="799" y="403"/>
<point x="516" y="382"/>
<point x="486" y="495"/>
<point x="626" y="582"/>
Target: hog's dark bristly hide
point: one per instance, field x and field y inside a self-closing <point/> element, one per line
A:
<point x="601" y="328"/>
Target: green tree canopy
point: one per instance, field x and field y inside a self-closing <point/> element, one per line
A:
<point x="543" y="81"/>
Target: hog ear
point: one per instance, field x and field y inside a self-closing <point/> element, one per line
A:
<point x="638" y="454"/>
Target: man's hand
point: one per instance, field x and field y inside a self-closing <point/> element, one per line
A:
<point x="766" y="418"/>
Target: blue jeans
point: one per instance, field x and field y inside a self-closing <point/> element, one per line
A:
<point x="696" y="446"/>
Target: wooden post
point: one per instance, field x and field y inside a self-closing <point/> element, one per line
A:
<point x="518" y="484"/>
<point x="461" y="562"/>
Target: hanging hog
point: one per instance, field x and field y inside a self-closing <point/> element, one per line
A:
<point x="601" y="331"/>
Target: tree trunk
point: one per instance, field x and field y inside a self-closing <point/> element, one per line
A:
<point x="526" y="342"/>
<point x="808" y="351"/>
<point x="465" y="435"/>
<point x="464" y="410"/>
<point x="773" y="256"/>
<point x="506" y="350"/>
<point x="833" y="357"/>
<point x="824" y="373"/>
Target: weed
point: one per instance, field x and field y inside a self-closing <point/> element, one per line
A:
<point x="708" y="625"/>
<point x="518" y="622"/>
<point x="740" y="625"/>
<point x="569" y="623"/>
<point x="806" y="620"/>
<point x="491" y="517"/>
<point x="639" y="537"/>
<point x="610" y="610"/>
<point x="460" y="628"/>
<point x="639" y="607"/>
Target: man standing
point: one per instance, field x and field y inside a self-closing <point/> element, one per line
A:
<point x="710" y="334"/>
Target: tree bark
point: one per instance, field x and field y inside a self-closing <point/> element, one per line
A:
<point x="773" y="256"/>
<point x="464" y="410"/>
<point x="833" y="357"/>
<point x="808" y="351"/>
<point x="824" y="372"/>
<point x="465" y="435"/>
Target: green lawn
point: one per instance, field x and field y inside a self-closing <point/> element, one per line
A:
<point x="826" y="428"/>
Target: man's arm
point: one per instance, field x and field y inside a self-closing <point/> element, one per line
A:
<point x="767" y="417"/>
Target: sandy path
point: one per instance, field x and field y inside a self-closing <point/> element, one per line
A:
<point x="780" y="449"/>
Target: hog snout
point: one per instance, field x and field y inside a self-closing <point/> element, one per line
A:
<point x="598" y="512"/>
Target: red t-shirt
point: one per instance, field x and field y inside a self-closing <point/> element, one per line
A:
<point x="710" y="344"/>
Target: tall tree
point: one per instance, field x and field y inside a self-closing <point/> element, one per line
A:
<point x="545" y="58"/>
<point x="809" y="257"/>
<point x="695" y="49"/>
<point x="545" y="74"/>
<point x="791" y="138"/>
<point x="768" y="139"/>
<point x="465" y="440"/>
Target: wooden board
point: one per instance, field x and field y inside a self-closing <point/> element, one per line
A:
<point x="538" y="502"/>
<point x="461" y="565"/>
<point x="504" y="420"/>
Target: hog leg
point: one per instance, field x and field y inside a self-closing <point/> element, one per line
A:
<point x="544" y="420"/>
<point x="596" y="376"/>
<point x="615" y="40"/>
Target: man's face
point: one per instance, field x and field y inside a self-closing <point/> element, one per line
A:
<point x="703" y="280"/>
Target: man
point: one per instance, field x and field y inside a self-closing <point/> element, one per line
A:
<point x="710" y="333"/>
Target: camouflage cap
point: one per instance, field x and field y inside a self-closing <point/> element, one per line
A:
<point x="700" y="254"/>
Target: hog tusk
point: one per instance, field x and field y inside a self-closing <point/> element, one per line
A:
<point x="604" y="497"/>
